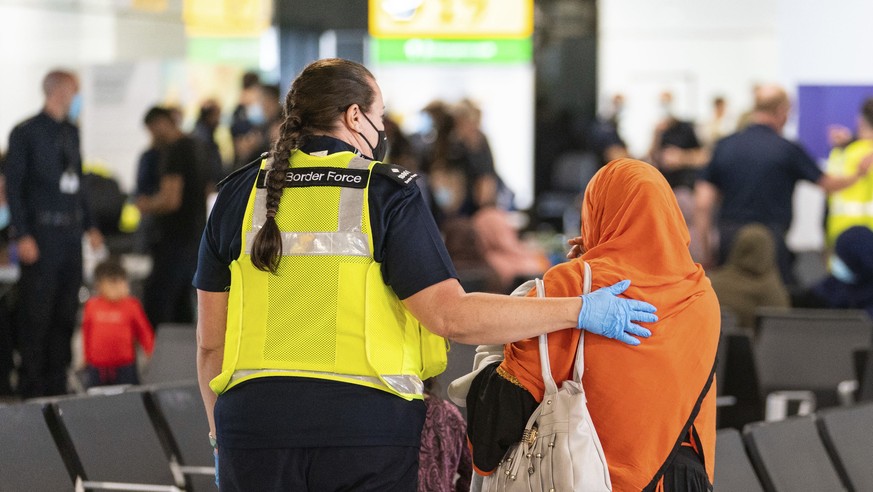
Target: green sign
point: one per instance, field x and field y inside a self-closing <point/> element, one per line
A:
<point x="245" y="51"/>
<point x="418" y="50"/>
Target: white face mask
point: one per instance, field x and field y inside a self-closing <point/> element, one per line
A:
<point x="255" y="114"/>
<point x="75" y="108"/>
<point x="841" y="271"/>
<point x="443" y="197"/>
<point x="4" y="216"/>
<point x="425" y="123"/>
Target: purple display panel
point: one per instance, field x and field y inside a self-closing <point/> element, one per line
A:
<point x="822" y="105"/>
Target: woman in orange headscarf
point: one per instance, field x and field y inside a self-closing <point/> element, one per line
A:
<point x="653" y="405"/>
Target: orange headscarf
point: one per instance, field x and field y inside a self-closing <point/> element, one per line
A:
<point x="641" y="398"/>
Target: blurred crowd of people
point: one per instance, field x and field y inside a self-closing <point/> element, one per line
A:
<point x="54" y="200"/>
<point x="470" y="202"/>
<point x="734" y="179"/>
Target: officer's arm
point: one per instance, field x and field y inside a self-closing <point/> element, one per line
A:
<point x="167" y="200"/>
<point x="211" y="326"/>
<point x="16" y="182"/>
<point x="478" y="318"/>
<point x="832" y="183"/>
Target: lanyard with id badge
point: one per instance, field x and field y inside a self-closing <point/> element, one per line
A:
<point x="69" y="183"/>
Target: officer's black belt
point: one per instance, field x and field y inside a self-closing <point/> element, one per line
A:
<point x="320" y="176"/>
<point x="58" y="219"/>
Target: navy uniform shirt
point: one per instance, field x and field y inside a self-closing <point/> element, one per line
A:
<point x="41" y="149"/>
<point x="303" y="412"/>
<point x="181" y="229"/>
<point x="756" y="170"/>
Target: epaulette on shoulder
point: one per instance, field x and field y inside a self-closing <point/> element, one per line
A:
<point x="256" y="162"/>
<point x="398" y="174"/>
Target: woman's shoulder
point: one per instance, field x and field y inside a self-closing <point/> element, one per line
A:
<point x="235" y="189"/>
<point x="391" y="186"/>
<point x="242" y="177"/>
<point x="398" y="175"/>
<point x="390" y="182"/>
<point x="564" y="279"/>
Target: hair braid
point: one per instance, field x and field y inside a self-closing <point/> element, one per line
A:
<point x="267" y="245"/>
<point x="313" y="106"/>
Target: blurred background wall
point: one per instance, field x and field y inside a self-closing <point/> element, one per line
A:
<point x="135" y="53"/>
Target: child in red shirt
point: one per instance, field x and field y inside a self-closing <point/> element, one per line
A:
<point x="112" y="323"/>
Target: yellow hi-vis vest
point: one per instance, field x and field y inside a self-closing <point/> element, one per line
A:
<point x="853" y="205"/>
<point x="326" y="313"/>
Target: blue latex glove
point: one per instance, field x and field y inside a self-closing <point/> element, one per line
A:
<point x="215" y="454"/>
<point x="605" y="314"/>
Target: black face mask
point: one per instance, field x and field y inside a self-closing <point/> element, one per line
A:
<point x="381" y="149"/>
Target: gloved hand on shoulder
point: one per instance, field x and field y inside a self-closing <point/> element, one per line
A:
<point x="603" y="313"/>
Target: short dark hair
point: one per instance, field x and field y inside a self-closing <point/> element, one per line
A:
<point x="109" y="270"/>
<point x="250" y="79"/>
<point x="209" y="109"/>
<point x="867" y="111"/>
<point x="155" y="113"/>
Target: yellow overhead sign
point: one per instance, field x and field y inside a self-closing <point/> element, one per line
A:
<point x="227" y="17"/>
<point x="157" y="6"/>
<point x="457" y="19"/>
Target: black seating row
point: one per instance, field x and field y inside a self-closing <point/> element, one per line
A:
<point x="174" y="357"/>
<point x="802" y="355"/>
<point x="144" y="438"/>
<point x="828" y="451"/>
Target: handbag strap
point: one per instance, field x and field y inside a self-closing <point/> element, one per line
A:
<point x="545" y="366"/>
<point x="579" y="367"/>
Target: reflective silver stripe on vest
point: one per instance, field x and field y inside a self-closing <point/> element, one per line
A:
<point x="319" y="243"/>
<point x="406" y="385"/>
<point x="348" y="240"/>
<point x="849" y="208"/>
<point x="351" y="204"/>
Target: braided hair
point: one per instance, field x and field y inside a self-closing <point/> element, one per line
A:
<point x="322" y="92"/>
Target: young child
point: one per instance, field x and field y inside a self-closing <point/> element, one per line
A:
<point x="112" y="323"/>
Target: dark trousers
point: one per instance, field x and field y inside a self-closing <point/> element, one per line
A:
<point x="103" y="376"/>
<point x="8" y="342"/>
<point x="329" y="469"/>
<point x="167" y="293"/>
<point x="49" y="301"/>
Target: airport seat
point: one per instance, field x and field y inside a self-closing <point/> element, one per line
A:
<point x="848" y="434"/>
<point x="721" y="363"/>
<point x="572" y="172"/>
<point x="728" y="327"/>
<point x="810" y="350"/>
<point x="739" y="381"/>
<point x="180" y="409"/>
<point x="864" y="368"/>
<point x="733" y="470"/>
<point x="729" y="323"/>
<point x="175" y="355"/>
<point x="116" y="444"/>
<point x="789" y="456"/>
<point x="29" y="457"/>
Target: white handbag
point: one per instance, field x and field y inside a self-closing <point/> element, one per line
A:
<point x="560" y="450"/>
